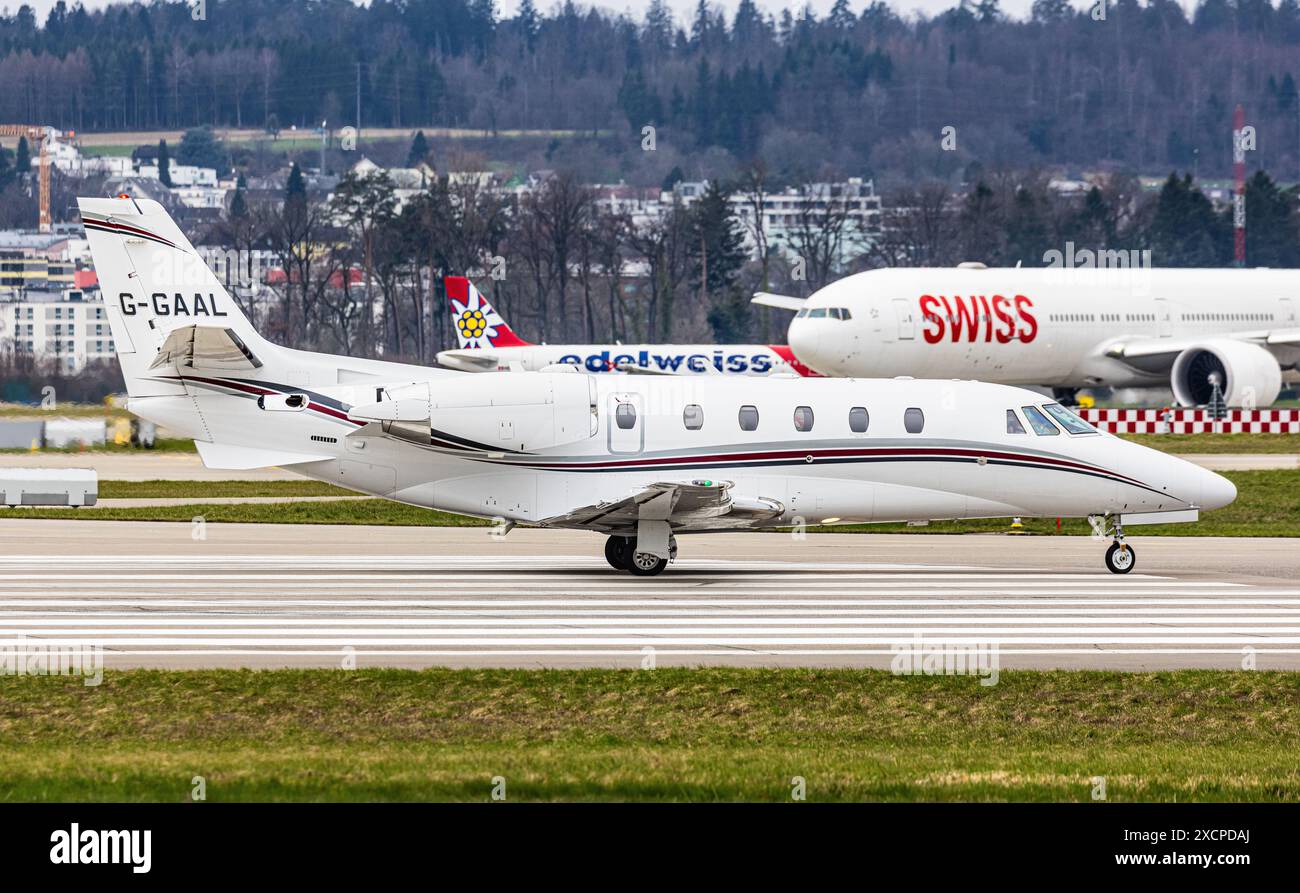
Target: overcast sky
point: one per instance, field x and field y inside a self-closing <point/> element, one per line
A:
<point x="683" y="9"/>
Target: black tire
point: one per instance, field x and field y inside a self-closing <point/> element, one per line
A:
<point x="1120" y="559"/>
<point x="643" y="564"/>
<point x="617" y="549"/>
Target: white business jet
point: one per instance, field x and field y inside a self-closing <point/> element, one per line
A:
<point x="637" y="458"/>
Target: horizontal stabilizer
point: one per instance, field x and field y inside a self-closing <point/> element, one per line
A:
<point x="240" y="458"/>
<point x="205" y="347"/>
<point x="785" y="302"/>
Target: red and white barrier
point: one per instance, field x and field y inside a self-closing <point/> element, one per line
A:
<point x="1194" y="421"/>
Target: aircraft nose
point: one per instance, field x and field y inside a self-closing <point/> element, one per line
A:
<point x="804" y="341"/>
<point x="1216" y="491"/>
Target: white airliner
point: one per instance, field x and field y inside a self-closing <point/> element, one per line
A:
<point x="488" y="344"/>
<point x="1061" y="328"/>
<point x="634" y="457"/>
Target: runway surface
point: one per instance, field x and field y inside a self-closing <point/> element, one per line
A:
<point x="281" y="595"/>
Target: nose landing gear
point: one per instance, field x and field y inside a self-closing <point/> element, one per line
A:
<point x="621" y="553"/>
<point x="1120" y="557"/>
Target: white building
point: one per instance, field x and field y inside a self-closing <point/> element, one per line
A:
<point x="64" y="325"/>
<point x="238" y="268"/>
<point x="788" y="213"/>
<point x="182" y="174"/>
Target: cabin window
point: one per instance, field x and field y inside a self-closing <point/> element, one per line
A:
<point x="1013" y="423"/>
<point x="693" y="417"/>
<point x="625" y="416"/>
<point x="1038" y="421"/>
<point x="1068" y="420"/>
<point x="803" y="418"/>
<point x="913" y="420"/>
<point x="859" y="419"/>
<point x="748" y="418"/>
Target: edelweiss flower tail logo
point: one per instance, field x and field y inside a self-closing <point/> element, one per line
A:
<point x="477" y="324"/>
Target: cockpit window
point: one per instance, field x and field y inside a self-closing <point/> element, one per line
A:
<point x="1038" y="421"/>
<point x="817" y="313"/>
<point x="845" y="314"/>
<point x="1068" y="419"/>
<point x="802" y="313"/>
<point x="1013" y="423"/>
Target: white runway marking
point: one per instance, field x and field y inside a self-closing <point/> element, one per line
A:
<point x="562" y="610"/>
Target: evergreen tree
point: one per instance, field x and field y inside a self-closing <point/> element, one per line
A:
<point x="201" y="148"/>
<point x="528" y="24"/>
<point x="23" y="159"/>
<point x="419" y="150"/>
<point x="1272" y="236"/>
<point x="295" y="190"/>
<point x="1185" y="231"/>
<point x="841" y="17"/>
<point x="164" y="165"/>
<point x="717" y="244"/>
<point x="238" y="205"/>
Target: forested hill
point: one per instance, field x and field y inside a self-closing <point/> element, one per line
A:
<point x="861" y="89"/>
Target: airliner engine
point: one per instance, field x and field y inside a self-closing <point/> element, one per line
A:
<point x="1246" y="374"/>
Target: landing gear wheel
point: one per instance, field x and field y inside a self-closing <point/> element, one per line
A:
<point x="1120" y="558"/>
<point x="643" y="564"/>
<point x="617" y="550"/>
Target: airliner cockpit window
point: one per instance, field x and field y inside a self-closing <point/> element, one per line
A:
<point x="802" y="313"/>
<point x="1068" y="419"/>
<point x="817" y="313"/>
<point x="845" y="314"/>
<point x="1013" y="423"/>
<point x="1038" y="421"/>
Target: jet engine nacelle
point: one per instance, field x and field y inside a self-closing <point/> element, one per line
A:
<point x="1247" y="374"/>
<point x="509" y="411"/>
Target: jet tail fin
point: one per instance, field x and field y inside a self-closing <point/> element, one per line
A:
<point x="478" y="325"/>
<point x="153" y="283"/>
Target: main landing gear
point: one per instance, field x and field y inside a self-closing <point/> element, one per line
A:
<point x="621" y="553"/>
<point x="1120" y="557"/>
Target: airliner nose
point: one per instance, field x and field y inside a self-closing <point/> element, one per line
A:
<point x="804" y="341"/>
<point x="1216" y="491"/>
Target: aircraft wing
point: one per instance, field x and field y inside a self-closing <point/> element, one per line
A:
<point x="699" y="505"/>
<point x="1155" y="349"/>
<point x="207" y="347"/>
<point x="785" y="302"/>
<point x="463" y="359"/>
